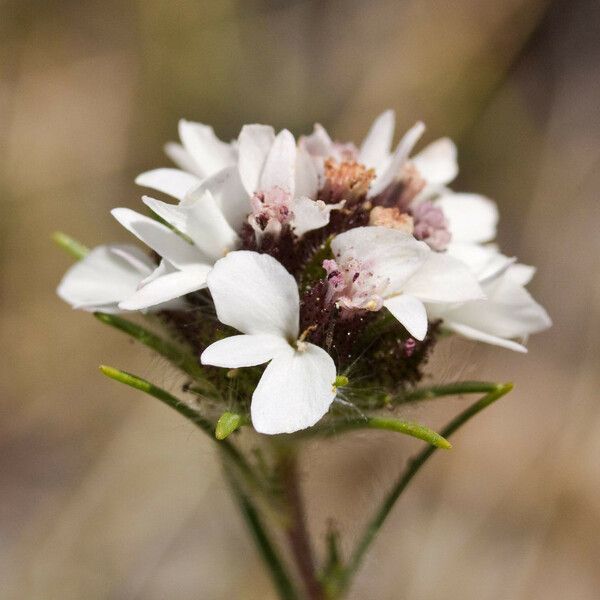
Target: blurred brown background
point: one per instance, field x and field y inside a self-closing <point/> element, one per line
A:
<point x="106" y="495"/>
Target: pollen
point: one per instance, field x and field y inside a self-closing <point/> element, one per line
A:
<point x="372" y="305"/>
<point x="393" y="218"/>
<point x="349" y="175"/>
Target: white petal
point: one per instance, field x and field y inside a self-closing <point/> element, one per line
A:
<point x="443" y="279"/>
<point x="105" y="276"/>
<point x="294" y="392"/>
<point x="173" y="182"/>
<point x="376" y="147"/>
<point x="208" y="228"/>
<point x="171" y="213"/>
<point x="165" y="268"/>
<point x="167" y="287"/>
<point x="137" y="259"/>
<point x="471" y="218"/>
<point x="401" y="154"/>
<point x="521" y="274"/>
<point x="307" y="179"/>
<point x="208" y="151"/>
<point x="318" y="143"/>
<point x="244" y="351"/>
<point x="410" y="312"/>
<point x="255" y="294"/>
<point x="180" y="156"/>
<point x="310" y="214"/>
<point x="495" y="269"/>
<point x="437" y="163"/>
<point x="484" y="261"/>
<point x="280" y="165"/>
<point x="255" y="141"/>
<point x="390" y="253"/>
<point x="508" y="312"/>
<point x="481" y="336"/>
<point x="229" y="193"/>
<point x="158" y="237"/>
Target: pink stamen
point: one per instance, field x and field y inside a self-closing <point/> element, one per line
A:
<point x="270" y="210"/>
<point x="430" y="225"/>
<point x="353" y="286"/>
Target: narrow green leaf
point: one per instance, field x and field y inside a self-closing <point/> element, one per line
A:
<point x="149" y="388"/>
<point x="70" y="245"/>
<point x="228" y="422"/>
<point x="449" y="389"/>
<point x="250" y="513"/>
<point x="459" y="388"/>
<point x="189" y="413"/>
<point x="178" y="357"/>
<point x="333" y="561"/>
<point x="413" y="467"/>
<point x="415" y="430"/>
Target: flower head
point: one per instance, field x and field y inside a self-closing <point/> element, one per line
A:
<point x="325" y="257"/>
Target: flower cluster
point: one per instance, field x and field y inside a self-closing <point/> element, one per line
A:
<point x="330" y="263"/>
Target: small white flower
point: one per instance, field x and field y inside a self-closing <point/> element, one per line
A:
<point x="183" y="269"/>
<point x="281" y="181"/>
<point x="201" y="155"/>
<point x="255" y="294"/>
<point x="104" y="278"/>
<point x="436" y="163"/>
<point x="507" y="313"/>
<point x="211" y="212"/>
<point x="379" y="266"/>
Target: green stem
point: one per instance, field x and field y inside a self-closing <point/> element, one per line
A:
<point x="412" y="469"/>
<point x="266" y="548"/>
<point x="296" y="529"/>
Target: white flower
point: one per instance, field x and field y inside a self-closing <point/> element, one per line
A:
<point x="436" y="163"/>
<point x="379" y="266"/>
<point x="254" y="294"/>
<point x="211" y="213"/>
<point x="269" y="179"/>
<point x="281" y="181"/>
<point x="200" y="155"/>
<point x="184" y="266"/>
<point x="507" y="313"/>
<point x="104" y="278"/>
